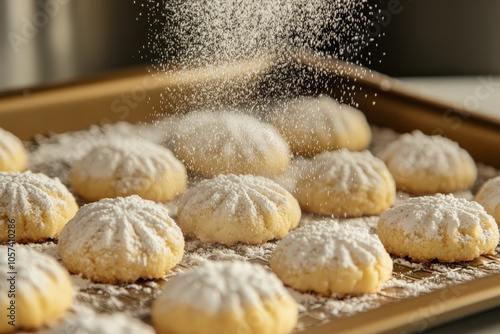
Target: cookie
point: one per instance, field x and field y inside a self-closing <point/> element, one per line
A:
<point x="441" y="227"/>
<point x="224" y="297"/>
<point x="237" y="208"/>
<point x="312" y="125"/>
<point x="33" y="207"/>
<point x="211" y="143"/>
<point x="121" y="239"/>
<point x="35" y="291"/>
<point x="489" y="197"/>
<point x="13" y="157"/>
<point x="328" y="257"/>
<point x="123" y="167"/>
<point x="345" y="184"/>
<point x="422" y="164"/>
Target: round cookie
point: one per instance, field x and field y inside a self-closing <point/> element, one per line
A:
<point x="224" y="297"/>
<point x="237" y="208"/>
<point x="229" y="143"/>
<point x="13" y="157"/>
<point x="347" y="184"/>
<point x="422" y="164"/>
<point x="328" y="257"/>
<point x="114" y="323"/>
<point x="37" y="294"/>
<point x="312" y="125"/>
<point x="440" y="227"/>
<point x="33" y="207"/>
<point x="123" y="167"/>
<point x="489" y="197"/>
<point x="121" y="239"/>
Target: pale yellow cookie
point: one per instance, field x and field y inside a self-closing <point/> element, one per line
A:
<point x="121" y="239"/>
<point x="489" y="197"/>
<point x="347" y="184"/>
<point x="33" y="207"/>
<point x="441" y="227"/>
<point x="122" y="167"/>
<point x="422" y="164"/>
<point x="229" y="143"/>
<point x="237" y="208"/>
<point x="36" y="294"/>
<point x="329" y="257"/>
<point x="13" y="157"/>
<point x="312" y="125"/>
<point x="224" y="297"/>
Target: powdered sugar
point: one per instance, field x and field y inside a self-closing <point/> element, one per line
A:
<point x="440" y="216"/>
<point x="32" y="195"/>
<point x="126" y="225"/>
<point x="329" y="244"/>
<point x="127" y="160"/>
<point x="216" y="287"/>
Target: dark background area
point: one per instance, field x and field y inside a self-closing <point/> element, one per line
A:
<point x="82" y="38"/>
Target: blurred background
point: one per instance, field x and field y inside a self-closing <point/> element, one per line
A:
<point x="45" y="42"/>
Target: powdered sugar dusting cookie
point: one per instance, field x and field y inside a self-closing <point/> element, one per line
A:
<point x="424" y="164"/>
<point x="121" y="240"/>
<point x="37" y="205"/>
<point x="225" y="297"/>
<point x="229" y="143"/>
<point x="441" y="227"/>
<point x="238" y="208"/>
<point x="344" y="183"/>
<point x="123" y="167"/>
<point x="312" y="125"/>
<point x="329" y="257"/>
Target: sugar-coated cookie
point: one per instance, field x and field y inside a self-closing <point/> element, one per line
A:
<point x="212" y="143"/>
<point x="129" y="166"/>
<point x="113" y="323"/>
<point x="121" y="239"/>
<point x="329" y="257"/>
<point x="489" y="197"/>
<point x="440" y="227"/>
<point x="33" y="207"/>
<point x="224" y="297"/>
<point x="237" y="208"/>
<point x="347" y="184"/>
<point x="13" y="157"/>
<point x="35" y="291"/>
<point x="422" y="164"/>
<point x="312" y="125"/>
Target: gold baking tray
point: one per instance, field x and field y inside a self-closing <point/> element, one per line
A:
<point x="132" y="96"/>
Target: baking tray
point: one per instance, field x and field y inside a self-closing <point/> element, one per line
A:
<point x="385" y="101"/>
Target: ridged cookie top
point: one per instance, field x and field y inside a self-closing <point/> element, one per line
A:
<point x="124" y="224"/>
<point x="221" y="286"/>
<point x="33" y="195"/>
<point x="489" y="194"/>
<point x="125" y="157"/>
<point x="321" y="121"/>
<point x="234" y="195"/>
<point x="114" y="323"/>
<point x="9" y="144"/>
<point x="345" y="170"/>
<point x="440" y="217"/>
<point x="34" y="271"/>
<point x="228" y="138"/>
<point x="329" y="244"/>
<point x="418" y="151"/>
